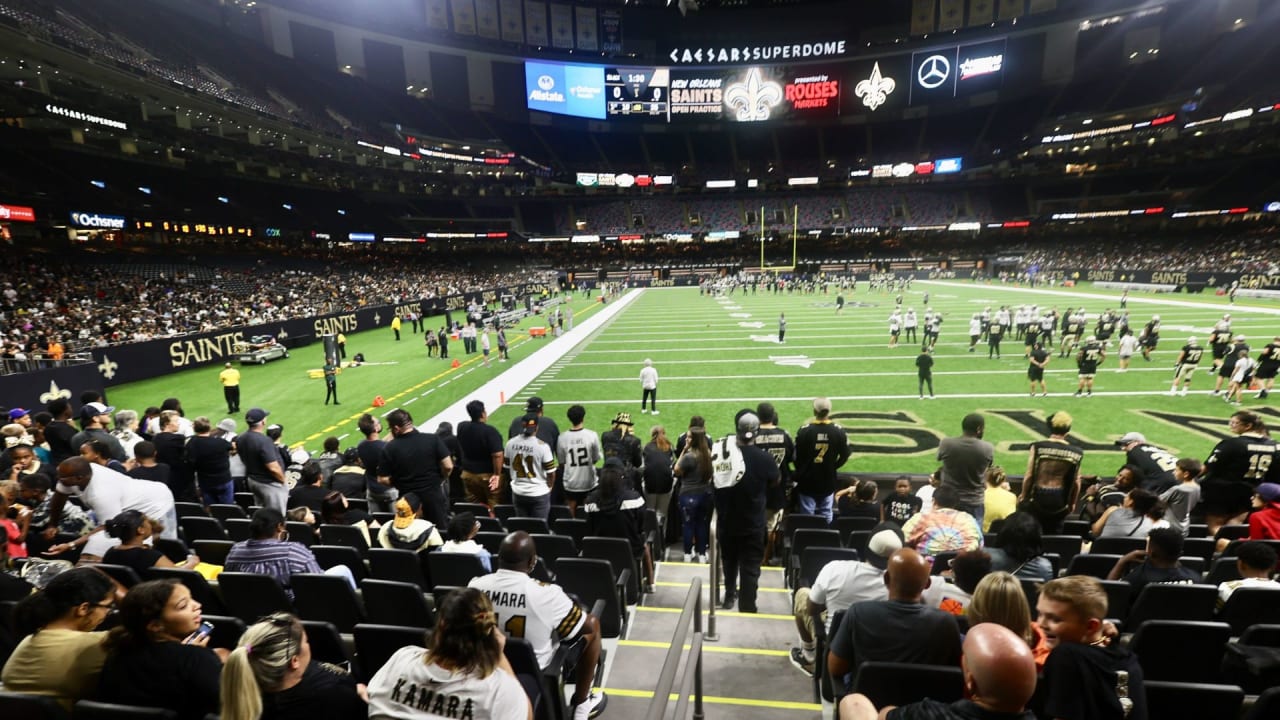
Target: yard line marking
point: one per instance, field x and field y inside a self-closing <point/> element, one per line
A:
<point x="1109" y="298"/>
<point x="910" y="396"/>
<point x="791" y="361"/>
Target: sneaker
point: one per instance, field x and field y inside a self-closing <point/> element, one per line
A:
<point x="644" y="412"/>
<point x="702" y="558"/>
<point x="688" y="557"/>
<point x="591" y="707"/>
<point x="655" y="412"/>
<point x="1213" y="392"/>
<point x="1089" y="394"/>
<point x="1078" y="393"/>
<point x="797" y="659"/>
<point x="649" y="589"/>
<point x="1184" y="392"/>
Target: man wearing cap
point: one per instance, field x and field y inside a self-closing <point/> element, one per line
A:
<point x="416" y="462"/>
<point x="648" y="387"/>
<point x="21" y="417"/>
<point x="900" y="629"/>
<point x="1185" y="367"/>
<point x="740" y="515"/>
<point x="481" y="456"/>
<point x="840" y="584"/>
<point x="95" y="417"/>
<point x="408" y="531"/>
<point x="620" y="443"/>
<point x="530" y="464"/>
<point x="548" y="431"/>
<point x="822" y="447"/>
<point x="263" y="469"/>
<point x="1157" y="465"/>
<point x="230" y="379"/>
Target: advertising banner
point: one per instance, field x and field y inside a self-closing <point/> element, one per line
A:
<point x="33" y="390"/>
<point x="17" y="213"/>
<point x="576" y="90"/>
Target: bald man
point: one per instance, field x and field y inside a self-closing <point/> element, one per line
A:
<point x="900" y="629"/>
<point x="544" y="615"/>
<point x="999" y="680"/>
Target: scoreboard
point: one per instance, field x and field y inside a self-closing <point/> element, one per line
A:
<point x="637" y="92"/>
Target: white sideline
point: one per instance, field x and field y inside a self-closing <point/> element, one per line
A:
<point x="510" y="382"/>
<point x="1109" y="298"/>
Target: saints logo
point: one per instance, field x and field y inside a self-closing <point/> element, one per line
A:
<point x="754" y="99"/>
<point x="875" y="90"/>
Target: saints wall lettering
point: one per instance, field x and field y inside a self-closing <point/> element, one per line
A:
<point x="203" y="350"/>
<point x="335" y="325"/>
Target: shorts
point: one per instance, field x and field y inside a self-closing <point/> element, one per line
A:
<point x="1219" y="351"/>
<point x="1035" y="373"/>
<point x="577" y="497"/>
<point x="1149" y="342"/>
<point x="1031" y="340"/>
<point x="477" y="488"/>
<point x="1226" y="371"/>
<point x="894" y="333"/>
<point x="1265" y="372"/>
<point x="1245" y="379"/>
<point x="1125" y="356"/>
<point x="1086" y="375"/>
<point x="1184" y="372"/>
<point x="486" y="352"/>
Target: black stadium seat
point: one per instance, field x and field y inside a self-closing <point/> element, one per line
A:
<point x="387" y="602"/>
<point x="1172" y="602"/>
<point x="891" y="683"/>
<point x="91" y="710"/>
<point x="1193" y="700"/>
<point x="398" y="565"/>
<point x="327" y="598"/>
<point x="250" y="596"/>
<point x="375" y="644"/>
<point x="1162" y="650"/>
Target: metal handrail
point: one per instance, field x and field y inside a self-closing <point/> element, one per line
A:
<point x="692" y="681"/>
<point x="690" y="612"/>
<point x="713" y="548"/>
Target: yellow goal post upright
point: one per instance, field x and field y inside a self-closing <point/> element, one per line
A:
<point x="795" y="234"/>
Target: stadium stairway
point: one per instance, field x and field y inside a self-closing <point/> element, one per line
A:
<point x="746" y="674"/>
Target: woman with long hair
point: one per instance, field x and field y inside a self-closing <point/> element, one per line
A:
<point x="999" y="599"/>
<point x="696" y="499"/>
<point x="61" y="655"/>
<point x="334" y="510"/>
<point x="270" y="676"/>
<point x="658" y="481"/>
<point x="615" y="509"/>
<point x="156" y="656"/>
<point x="1234" y="469"/>
<point x="1018" y="549"/>
<point x="464" y="664"/>
<point x="133" y="529"/>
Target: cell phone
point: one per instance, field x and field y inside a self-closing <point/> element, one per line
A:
<point x="204" y="631"/>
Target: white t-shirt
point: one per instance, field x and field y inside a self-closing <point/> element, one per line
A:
<point x="110" y="493"/>
<point x="406" y="688"/>
<point x="540" y="613"/>
<point x="1128" y="345"/>
<point x="529" y="460"/>
<point x="842" y="583"/>
<point x="1230" y="586"/>
<point x="926" y="498"/>
<point x="1244" y="366"/>
<point x="649" y="378"/>
<point x="578" y="452"/>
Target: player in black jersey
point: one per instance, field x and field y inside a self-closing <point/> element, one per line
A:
<point x="1149" y="337"/>
<point x="1188" y="360"/>
<point x="1268" y="367"/>
<point x="1088" y="359"/>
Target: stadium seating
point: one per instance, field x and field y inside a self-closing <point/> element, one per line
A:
<point x="397" y="565"/>
<point x="1172" y="602"/>
<point x="1251" y="606"/>
<point x="249" y="596"/>
<point x="93" y="710"/>
<point x="201" y="592"/>
<point x="326" y="598"/>
<point x="890" y="683"/>
<point x="453" y="569"/>
<point x="1162" y="650"/>
<point x="396" y="603"/>
<point x="1198" y="700"/>
<point x="330" y="555"/>
<point x="593" y="580"/>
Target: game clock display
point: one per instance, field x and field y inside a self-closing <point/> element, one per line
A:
<point x="637" y="92"/>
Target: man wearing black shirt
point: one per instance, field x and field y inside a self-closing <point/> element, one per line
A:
<point x="777" y="442"/>
<point x="59" y="432"/>
<point x="381" y="498"/>
<point x="741" y="516"/>
<point x="416" y="462"/>
<point x="482" y="453"/>
<point x="1157" y="565"/>
<point x="1157" y="465"/>
<point x="262" y="466"/>
<point x="171" y="447"/>
<point x="822" y="447"/>
<point x="209" y="459"/>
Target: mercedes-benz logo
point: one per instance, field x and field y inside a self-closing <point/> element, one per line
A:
<point x="546" y="82"/>
<point x="933" y="72"/>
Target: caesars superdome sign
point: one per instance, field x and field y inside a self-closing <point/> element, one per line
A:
<point x="757" y="53"/>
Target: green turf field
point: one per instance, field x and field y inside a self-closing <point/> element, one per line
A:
<point x="718" y="355"/>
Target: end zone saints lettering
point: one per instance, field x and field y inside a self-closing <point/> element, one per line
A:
<point x="185" y="352"/>
<point x="908" y="433"/>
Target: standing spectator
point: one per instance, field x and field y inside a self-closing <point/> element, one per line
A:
<point x="822" y="447"/>
<point x="455" y="491"/>
<point x="309" y="490"/>
<point x="482" y="457"/>
<point x="659" y="457"/>
<point x="548" y="431"/>
<point x="348" y="478"/>
<point x="778" y="443"/>
<point x="1182" y="497"/>
<point x="1234" y="469"/>
<point x="924" y="370"/>
<point x="1155" y="465"/>
<point x="171" y="449"/>
<point x="329" y="458"/>
<point x="184" y="425"/>
<point x="648" y="387"/>
<point x="209" y="459"/>
<point x="230" y="379"/>
<point x="58" y="432"/>
<point x="620" y="443"/>
<point x="965" y="460"/>
<point x="147" y="467"/>
<point x="531" y="465"/>
<point x="1051" y="483"/>
<point x="95" y="416"/>
<point x="696" y="501"/>
<point x="578" y="452"/>
<point x="485" y="347"/>
<point x="381" y="497"/>
<point x="262" y="466"/>
<point x="998" y="502"/>
<point x="108" y="493"/>
<point x="416" y="462"/>
<point x="615" y="509"/>
<point x="740" y="511"/>
<point x="126" y="430"/>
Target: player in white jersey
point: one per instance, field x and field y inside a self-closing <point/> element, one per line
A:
<point x="543" y="615"/>
<point x="529" y="463"/>
<point x="578" y="450"/>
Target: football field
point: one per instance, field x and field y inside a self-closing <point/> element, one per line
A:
<point x="716" y="355"/>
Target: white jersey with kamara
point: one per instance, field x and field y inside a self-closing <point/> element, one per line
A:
<point x="540" y="613"/>
<point x="529" y="460"/>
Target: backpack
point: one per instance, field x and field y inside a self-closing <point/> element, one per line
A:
<point x="727" y="465"/>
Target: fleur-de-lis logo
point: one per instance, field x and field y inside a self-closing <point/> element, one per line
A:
<point x="875" y="90"/>
<point x="55" y="393"/>
<point x="754" y="99"/>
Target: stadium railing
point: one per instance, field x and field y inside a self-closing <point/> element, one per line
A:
<point x="9" y="366"/>
<point x="691" y="681"/>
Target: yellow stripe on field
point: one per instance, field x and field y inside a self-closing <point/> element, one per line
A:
<point x="713" y="700"/>
<point x="706" y="648"/>
<point x="722" y="613"/>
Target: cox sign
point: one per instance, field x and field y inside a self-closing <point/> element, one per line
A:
<point x="94" y="220"/>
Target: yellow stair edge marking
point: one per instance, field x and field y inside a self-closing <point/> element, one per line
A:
<point x="697" y="564"/>
<point x="713" y="700"/>
<point x="664" y="583"/>
<point x="724" y="613"/>
<point x="706" y="648"/>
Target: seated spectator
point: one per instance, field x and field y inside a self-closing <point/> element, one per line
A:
<point x="348" y="477"/>
<point x="270" y="676"/>
<point x="1158" y="564"/>
<point x="269" y="552"/>
<point x="1018" y="549"/>
<point x="925" y="493"/>
<point x="999" y="680"/>
<point x="329" y="459"/>
<point x="154" y="657"/>
<point x="999" y="599"/>
<point x="840" y="584"/>
<point x="1085" y="678"/>
<point x="1256" y="562"/>
<point x="464" y="664"/>
<point x="900" y="629"/>
<point x="409" y="531"/>
<point x="1100" y="496"/>
<point x="1180" y="499"/>
<point x="59" y="654"/>
<point x="14" y="529"/>
<point x="310" y="489"/>
<point x="96" y="451"/>
<point x="1130" y="519"/>
<point x="24" y="463"/>
<point x="334" y="510"/>
<point x="901" y="505"/>
<point x="146" y="466"/>
<point x="858" y="500"/>
<point x="463" y="527"/>
<point x="33" y="491"/>
<point x="943" y="528"/>
<point x="134" y="531"/>
<point x="1264" y="521"/>
<point x="967" y="569"/>
<point x="615" y="509"/>
<point x="998" y="500"/>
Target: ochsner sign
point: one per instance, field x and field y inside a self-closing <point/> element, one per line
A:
<point x="94" y="220"/>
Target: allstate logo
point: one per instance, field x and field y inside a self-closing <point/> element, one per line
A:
<point x="933" y="72"/>
<point x="546" y="82"/>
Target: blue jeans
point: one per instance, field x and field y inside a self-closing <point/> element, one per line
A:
<point x="696" y="508"/>
<point x="536" y="506"/>
<point x="218" y="494"/>
<point x="384" y="501"/>
<point x="810" y="505"/>
<point x="977" y="511"/>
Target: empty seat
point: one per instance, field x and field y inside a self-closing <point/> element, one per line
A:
<point x="620" y="555"/>
<point x="559" y="512"/>
<point x="1265" y="635"/>
<point x="804" y="538"/>
<point x="330" y="555"/>
<point x="488" y="524"/>
<point x="1117" y="545"/>
<point x="225" y="512"/>
<point x="237" y="528"/>
<point x="398" y="565"/>
<point x="120" y="573"/>
<point x="1172" y="602"/>
<point x="348" y="535"/>
<point x="477" y="509"/>
<point x="91" y="710"/>
<point x="490" y="541"/>
<point x="1162" y="650"/>
<point x="213" y="552"/>
<point x="592" y="579"/>
<point x="327" y="598"/>
<point x="1079" y="528"/>
<point x="1202" y="548"/>
<point x="576" y="529"/>
<point x="1092" y="564"/>
<point x="1066" y="546"/>
<point x="375" y="644"/>
<point x="1232" y="532"/>
<point x="504" y="511"/>
<point x="189" y="509"/>
<point x="20" y="706"/>
<point x="1267" y="706"/>
<point x="1193" y="700"/>
<point x="454" y="569"/>
<point x="553" y="547"/>
<point x="245" y="500"/>
<point x="891" y="683"/>
<point x="200" y="527"/>
<point x="300" y="532"/>
<point x="1252" y="606"/>
<point x="173" y="548"/>
<point x="846" y="525"/>
<point x="528" y="524"/>
<point x="250" y="596"/>
<point x="226" y="630"/>
<point x="396" y="603"/>
<point x="1119" y="598"/>
<point x="326" y="643"/>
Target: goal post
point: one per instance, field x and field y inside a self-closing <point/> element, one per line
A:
<point x="795" y="234"/>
